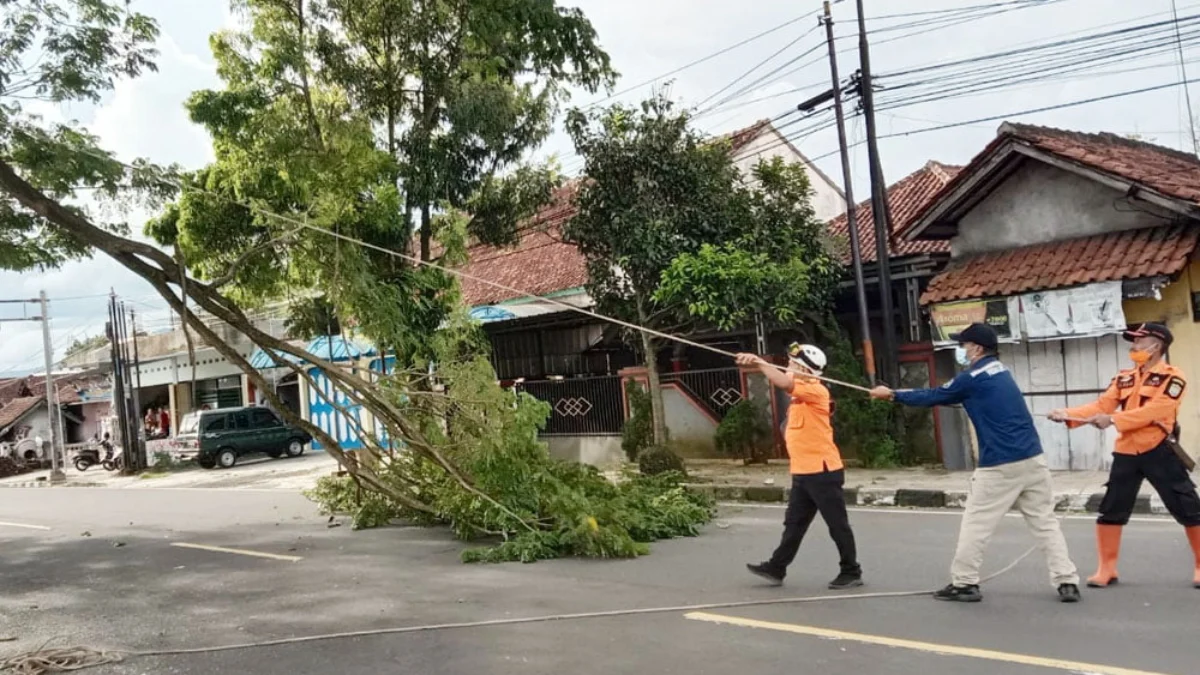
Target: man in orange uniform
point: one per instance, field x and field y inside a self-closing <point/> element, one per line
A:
<point x="1142" y="403"/>
<point x="816" y="466"/>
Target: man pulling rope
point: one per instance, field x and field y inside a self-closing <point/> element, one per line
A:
<point x="818" y="475"/>
<point x="1012" y="467"/>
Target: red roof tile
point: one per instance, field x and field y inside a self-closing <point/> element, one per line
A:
<point x="906" y="198"/>
<point x="17" y="408"/>
<point x="541" y="262"/>
<point x="1173" y="173"/>
<point x="1129" y="254"/>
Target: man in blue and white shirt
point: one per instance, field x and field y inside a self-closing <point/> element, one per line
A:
<point x="1012" y="468"/>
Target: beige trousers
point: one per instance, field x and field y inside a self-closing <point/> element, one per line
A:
<point x="994" y="491"/>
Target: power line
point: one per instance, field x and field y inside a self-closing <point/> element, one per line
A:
<point x="1187" y="93"/>
<point x="758" y="65"/>
<point x="704" y="59"/>
<point x="1031" y="111"/>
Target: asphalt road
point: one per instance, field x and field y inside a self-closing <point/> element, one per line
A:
<point x="103" y="568"/>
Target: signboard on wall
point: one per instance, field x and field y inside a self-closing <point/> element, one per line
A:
<point x="1089" y="310"/>
<point x="952" y="317"/>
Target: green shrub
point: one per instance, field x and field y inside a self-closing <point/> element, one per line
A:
<point x="657" y="460"/>
<point x="638" y="433"/>
<point x="745" y="433"/>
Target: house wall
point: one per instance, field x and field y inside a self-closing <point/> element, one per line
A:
<point x="1175" y="310"/>
<point x="92" y="414"/>
<point x="600" y="451"/>
<point x="1041" y="203"/>
<point x="827" y="201"/>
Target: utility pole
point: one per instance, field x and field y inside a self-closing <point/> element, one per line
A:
<point x="56" y="474"/>
<point x="860" y="289"/>
<point x="879" y="208"/>
<point x="52" y="411"/>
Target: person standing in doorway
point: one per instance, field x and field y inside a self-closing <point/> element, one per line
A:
<point x="1012" y="468"/>
<point x="1143" y="404"/>
<point x="818" y="475"/>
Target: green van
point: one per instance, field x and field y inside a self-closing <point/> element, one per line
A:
<point x="218" y="438"/>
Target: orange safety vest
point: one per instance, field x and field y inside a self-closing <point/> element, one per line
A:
<point x="1145" y="401"/>
<point x="809" y="433"/>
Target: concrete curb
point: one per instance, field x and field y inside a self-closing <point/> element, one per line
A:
<point x="48" y="484"/>
<point x="911" y="498"/>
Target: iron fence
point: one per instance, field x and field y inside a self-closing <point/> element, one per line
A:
<point x="717" y="390"/>
<point x="587" y="406"/>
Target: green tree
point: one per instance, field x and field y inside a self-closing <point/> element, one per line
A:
<point x="656" y="190"/>
<point x="378" y="120"/>
<point x="777" y="267"/>
<point x="675" y="236"/>
<point x="85" y="345"/>
<point x="294" y="151"/>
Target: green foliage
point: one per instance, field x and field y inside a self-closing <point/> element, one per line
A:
<point x="57" y="52"/>
<point x="492" y="435"/>
<point x="862" y="426"/>
<point x="657" y="189"/>
<point x="775" y="265"/>
<point x="745" y="433"/>
<point x="638" y="432"/>
<point x="659" y="460"/>
<point x="85" y="345"/>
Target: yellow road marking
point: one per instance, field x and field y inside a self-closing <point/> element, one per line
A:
<point x="23" y="525"/>
<point x="239" y="551"/>
<point x="930" y="647"/>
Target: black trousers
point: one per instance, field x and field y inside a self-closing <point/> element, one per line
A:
<point x="1165" y="472"/>
<point x="812" y="494"/>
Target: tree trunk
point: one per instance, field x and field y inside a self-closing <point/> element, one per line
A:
<point x="657" y="414"/>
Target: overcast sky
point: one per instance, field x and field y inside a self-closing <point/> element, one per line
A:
<point x="646" y="38"/>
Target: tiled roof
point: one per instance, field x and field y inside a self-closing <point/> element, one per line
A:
<point x="1129" y="254"/>
<point x="17" y="408"/>
<point x="541" y="262"/>
<point x="1173" y="173"/>
<point x="740" y="138"/>
<point x="1170" y="172"/>
<point x="35" y="386"/>
<point x="906" y="198"/>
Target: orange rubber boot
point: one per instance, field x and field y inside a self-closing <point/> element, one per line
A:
<point x="1108" y="547"/>
<point x="1193" y="534"/>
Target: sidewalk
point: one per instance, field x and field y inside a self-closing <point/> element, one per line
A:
<point x="1076" y="491"/>
<point x="256" y="473"/>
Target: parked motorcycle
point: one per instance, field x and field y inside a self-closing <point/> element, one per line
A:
<point x="114" y="463"/>
<point x="87" y="458"/>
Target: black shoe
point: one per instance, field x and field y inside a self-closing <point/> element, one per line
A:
<point x="765" y="571"/>
<point x="959" y="594"/>
<point x="1068" y="593"/>
<point x="846" y="580"/>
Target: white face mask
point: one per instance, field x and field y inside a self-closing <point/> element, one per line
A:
<point x="960" y="355"/>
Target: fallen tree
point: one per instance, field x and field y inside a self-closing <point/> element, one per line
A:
<point x="468" y="455"/>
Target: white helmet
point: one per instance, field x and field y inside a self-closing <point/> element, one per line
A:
<point x="808" y="356"/>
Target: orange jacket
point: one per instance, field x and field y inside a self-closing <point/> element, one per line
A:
<point x="1143" y="398"/>
<point x="809" y="433"/>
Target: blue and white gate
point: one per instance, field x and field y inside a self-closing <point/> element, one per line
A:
<point x="321" y="412"/>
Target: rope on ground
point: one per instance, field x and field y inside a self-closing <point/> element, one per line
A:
<point x="57" y="660"/>
<point x="60" y="660"/>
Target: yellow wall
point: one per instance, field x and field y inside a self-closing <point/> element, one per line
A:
<point x="1175" y="310"/>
